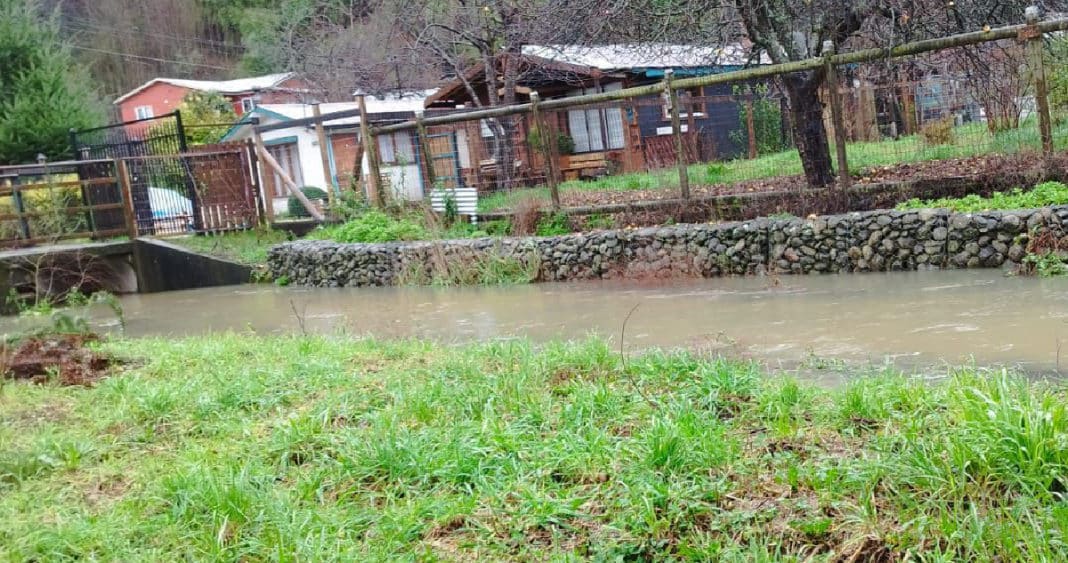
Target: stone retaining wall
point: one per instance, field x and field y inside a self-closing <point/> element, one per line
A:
<point x="870" y="241"/>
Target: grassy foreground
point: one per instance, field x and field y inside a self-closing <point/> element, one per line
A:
<point x="240" y="447"/>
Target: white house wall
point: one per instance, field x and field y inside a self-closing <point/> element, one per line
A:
<point x="311" y="166"/>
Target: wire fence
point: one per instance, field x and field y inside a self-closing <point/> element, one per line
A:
<point x="963" y="107"/>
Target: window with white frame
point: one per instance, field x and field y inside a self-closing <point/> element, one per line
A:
<point x="594" y="130"/>
<point x="247" y="105"/>
<point x="396" y="148"/>
<point x="143" y="112"/>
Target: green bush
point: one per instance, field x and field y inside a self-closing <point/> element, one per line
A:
<point x="498" y="228"/>
<point x="564" y="143"/>
<point x="553" y="225"/>
<point x="296" y="208"/>
<point x="599" y="221"/>
<point x="1046" y="265"/>
<point x="1043" y="195"/>
<point x="767" y="121"/>
<point x="940" y="132"/>
<point x="714" y="172"/>
<point x="373" y="226"/>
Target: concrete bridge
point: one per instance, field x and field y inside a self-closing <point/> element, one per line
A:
<point x="134" y="266"/>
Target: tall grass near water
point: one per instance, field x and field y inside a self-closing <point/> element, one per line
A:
<point x="236" y="446"/>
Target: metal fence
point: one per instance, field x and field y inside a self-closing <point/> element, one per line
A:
<point x="174" y="182"/>
<point x="211" y="189"/>
<point x="129" y="197"/>
<point x="164" y="134"/>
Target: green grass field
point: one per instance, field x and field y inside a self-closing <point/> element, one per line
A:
<point x="968" y="140"/>
<point x="241" y="447"/>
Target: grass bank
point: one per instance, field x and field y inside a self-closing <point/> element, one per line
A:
<point x="241" y="447"/>
<point x="244" y="247"/>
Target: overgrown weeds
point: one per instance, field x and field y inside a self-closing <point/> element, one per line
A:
<point x="938" y="132"/>
<point x="1042" y="195"/>
<point x="1047" y="255"/>
<point x="241" y="447"/>
<point x="457" y="269"/>
<point x="525" y="217"/>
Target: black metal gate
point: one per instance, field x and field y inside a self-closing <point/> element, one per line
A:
<point x="159" y="187"/>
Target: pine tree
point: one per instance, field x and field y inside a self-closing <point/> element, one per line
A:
<point x="43" y="94"/>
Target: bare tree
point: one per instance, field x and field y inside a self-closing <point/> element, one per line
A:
<point x="459" y="36"/>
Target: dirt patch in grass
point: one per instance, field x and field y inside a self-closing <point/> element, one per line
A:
<point x="65" y="357"/>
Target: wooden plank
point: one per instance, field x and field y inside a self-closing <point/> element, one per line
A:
<point x="64" y="211"/>
<point x="67" y="184"/>
<point x="425" y="162"/>
<point x="253" y="171"/>
<point x="65" y="236"/>
<point x="676" y="129"/>
<point x="127" y="198"/>
<point x="31" y="169"/>
<point x="1036" y="47"/>
<point x="367" y="138"/>
<point x="324" y="157"/>
<point x="294" y="189"/>
<point x="547" y="144"/>
<point x="267" y="176"/>
<point x="187" y="154"/>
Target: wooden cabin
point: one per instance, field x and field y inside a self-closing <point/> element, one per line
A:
<point x="615" y="137"/>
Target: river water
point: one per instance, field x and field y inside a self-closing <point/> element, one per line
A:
<point x="920" y="318"/>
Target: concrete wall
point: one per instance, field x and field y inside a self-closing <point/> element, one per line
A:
<point x="854" y="242"/>
<point x="143" y="266"/>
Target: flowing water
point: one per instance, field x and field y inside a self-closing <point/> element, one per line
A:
<point x="918" y="318"/>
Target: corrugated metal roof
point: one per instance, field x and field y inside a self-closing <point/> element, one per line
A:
<point x="644" y="55"/>
<point x="231" y="86"/>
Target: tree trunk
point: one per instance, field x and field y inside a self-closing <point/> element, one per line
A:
<point x="810" y="134"/>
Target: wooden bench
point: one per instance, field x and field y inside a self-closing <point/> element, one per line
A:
<point x="584" y="166"/>
<point x="487" y="169"/>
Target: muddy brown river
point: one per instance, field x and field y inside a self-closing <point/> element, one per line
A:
<point x="919" y="318"/>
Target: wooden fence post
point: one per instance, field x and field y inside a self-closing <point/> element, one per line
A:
<point x="750" y="123"/>
<point x="267" y="176"/>
<point x="845" y="180"/>
<point x="123" y="173"/>
<point x="17" y="204"/>
<point x="545" y="138"/>
<point x="324" y="156"/>
<point x="691" y="122"/>
<point x="1033" y="35"/>
<point x="370" y="148"/>
<point x="429" y="174"/>
<point x="676" y="127"/>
